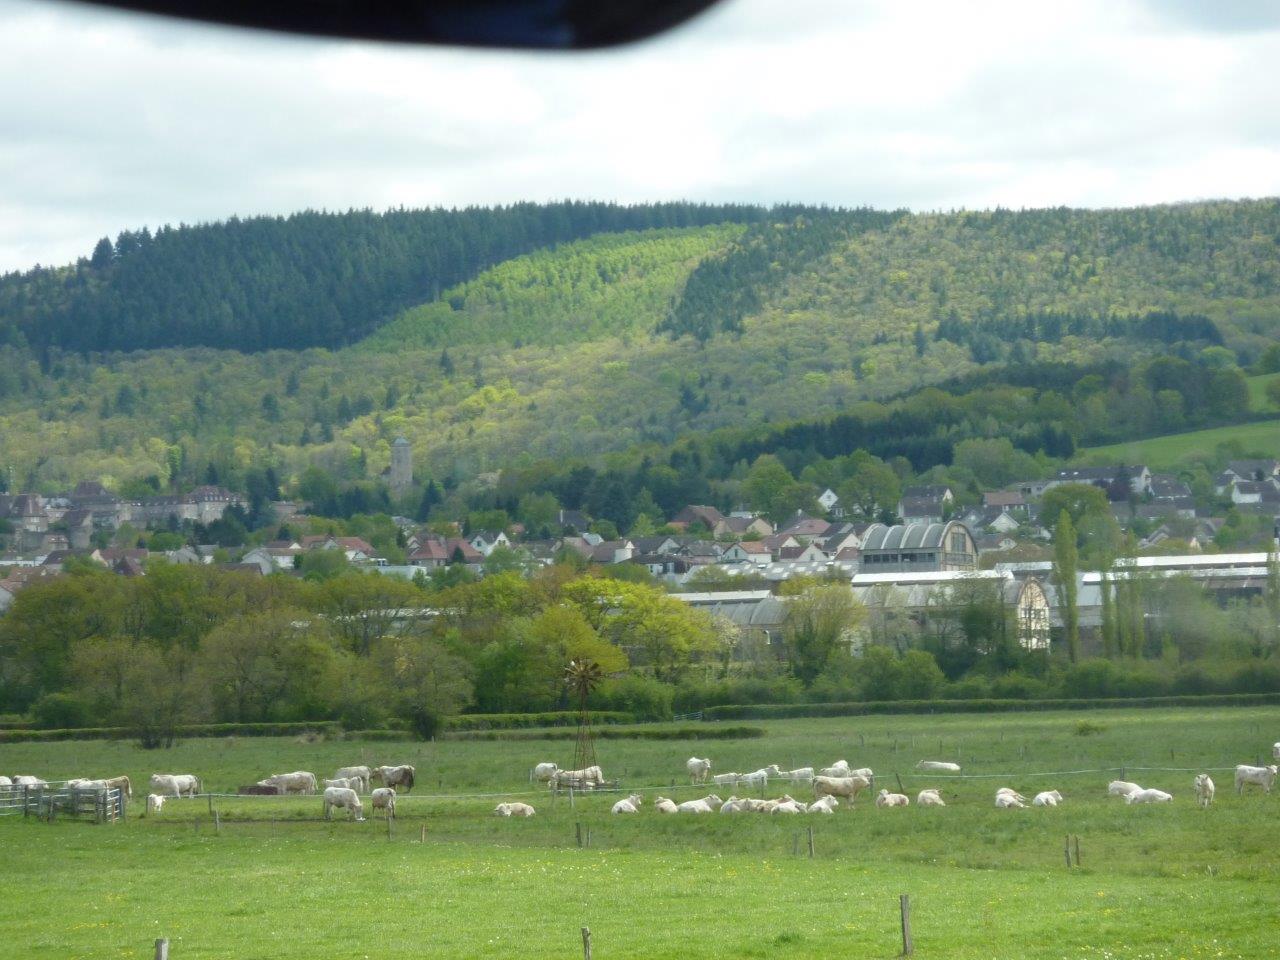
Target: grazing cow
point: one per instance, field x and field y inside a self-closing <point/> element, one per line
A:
<point x="930" y="797"/>
<point x="800" y="774"/>
<point x="708" y="804"/>
<point x="630" y="804"/>
<point x="343" y="797"/>
<point x="399" y="777"/>
<point x="513" y="810"/>
<point x="1148" y="796"/>
<point x="543" y="772"/>
<point x="155" y="803"/>
<point x="663" y="805"/>
<point x="726" y="779"/>
<point x="886" y="799"/>
<point x="384" y="799"/>
<point x="359" y="773"/>
<point x="698" y="769"/>
<point x="1263" y="777"/>
<point x="300" y="781"/>
<point x="825" y="804"/>
<point x="1203" y="784"/>
<point x="1007" y="801"/>
<point x="22" y="780"/>
<point x="938" y="766"/>
<point x="588" y="778"/>
<point x="848" y="787"/>
<point x="1121" y="788"/>
<point x="176" y="784"/>
<point x="1047" y="798"/>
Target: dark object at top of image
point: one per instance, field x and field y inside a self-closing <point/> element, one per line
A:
<point x="521" y="24"/>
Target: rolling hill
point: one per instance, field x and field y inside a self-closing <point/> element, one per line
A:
<point x="580" y="340"/>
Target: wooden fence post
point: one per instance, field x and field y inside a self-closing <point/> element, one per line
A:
<point x="904" y="905"/>
<point x="577" y="830"/>
<point x="162" y="949"/>
<point x="217" y="824"/>
<point x="1077" y="850"/>
<point x="586" y="943"/>
<point x="423" y="838"/>
<point x="811" y="843"/>
<point x="388" y="819"/>
<point x="1067" y="850"/>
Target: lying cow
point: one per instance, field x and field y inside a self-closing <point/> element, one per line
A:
<point x="513" y="810"/>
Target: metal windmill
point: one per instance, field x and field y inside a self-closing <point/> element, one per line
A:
<point x="581" y="677"/>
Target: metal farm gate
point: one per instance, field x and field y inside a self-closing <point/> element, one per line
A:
<point x="101" y="804"/>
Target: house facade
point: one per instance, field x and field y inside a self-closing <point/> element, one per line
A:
<point x="918" y="547"/>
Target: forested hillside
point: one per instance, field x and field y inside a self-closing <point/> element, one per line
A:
<point x="311" y="279"/>
<point x="1073" y="327"/>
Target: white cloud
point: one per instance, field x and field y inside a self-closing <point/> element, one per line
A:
<point x="113" y="122"/>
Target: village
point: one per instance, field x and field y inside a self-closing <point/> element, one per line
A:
<point x="731" y="564"/>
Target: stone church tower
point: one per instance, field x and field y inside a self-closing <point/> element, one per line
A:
<point x="400" y="477"/>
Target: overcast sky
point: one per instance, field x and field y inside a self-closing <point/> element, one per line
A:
<point x="113" y="122"/>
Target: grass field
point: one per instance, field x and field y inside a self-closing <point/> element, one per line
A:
<point x="1170" y="450"/>
<point x="1167" y="881"/>
<point x="1258" y="399"/>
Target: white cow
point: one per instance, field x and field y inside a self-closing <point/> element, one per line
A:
<point x="1263" y="777"/>
<point x="1148" y="796"/>
<point x="1010" y="792"/>
<point x="351" y="783"/>
<point x="930" y="797"/>
<point x="798" y="775"/>
<point x="788" y="807"/>
<point x="300" y="781"/>
<point x="1006" y="801"/>
<point x="1275" y="750"/>
<point x="22" y="780"/>
<point x="768" y="806"/>
<point x="629" y="804"/>
<point x="726" y="779"/>
<point x="361" y="773"/>
<point x="175" y="784"/>
<point x="1121" y="788"/>
<point x="585" y="779"/>
<point x="938" y="766"/>
<point x="513" y="810"/>
<point x="839" y="786"/>
<point x="5" y="782"/>
<point x="543" y="772"/>
<point x="708" y="804"/>
<point x="155" y="803"/>
<point x="663" y="805"/>
<point x="838" y="769"/>
<point x="825" y="804"/>
<point x="698" y="769"/>
<point x="757" y="778"/>
<point x="1203" y="784"/>
<point x="343" y="797"/>
<point x="1047" y="798"/>
<point x="384" y="799"/>
<point x="733" y="805"/>
<point x="398" y="776"/>
<point x="886" y="799"/>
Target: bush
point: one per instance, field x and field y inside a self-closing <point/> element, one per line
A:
<point x="618" y="733"/>
<point x="1017" y="686"/>
<point x="193" y="730"/>
<point x="646" y="698"/>
<point x="692" y="695"/>
<point x="556" y="718"/>
<point x="58" y="711"/>
<point x="426" y="722"/>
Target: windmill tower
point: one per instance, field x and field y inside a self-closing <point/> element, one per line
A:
<point x="581" y="677"/>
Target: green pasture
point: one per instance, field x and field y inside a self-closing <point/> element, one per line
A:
<point x="277" y="881"/>
<point x="1174" y="448"/>
<point x="1258" y="399"/>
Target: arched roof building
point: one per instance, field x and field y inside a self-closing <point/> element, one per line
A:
<point x="918" y="547"/>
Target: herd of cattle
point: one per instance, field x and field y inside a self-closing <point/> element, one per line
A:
<point x="841" y="781"/>
<point x="830" y="785"/>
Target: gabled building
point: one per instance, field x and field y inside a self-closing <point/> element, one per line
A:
<point x="748" y="551"/>
<point x="694" y="514"/>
